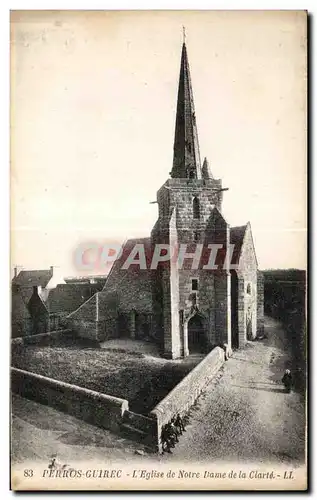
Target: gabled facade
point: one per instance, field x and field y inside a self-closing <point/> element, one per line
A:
<point x="44" y="279"/>
<point x="21" y="320"/>
<point x="30" y="292"/>
<point x="39" y="313"/>
<point x="28" y="316"/>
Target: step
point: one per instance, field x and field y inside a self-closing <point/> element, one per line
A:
<point x="131" y="429"/>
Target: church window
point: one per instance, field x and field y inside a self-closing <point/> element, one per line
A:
<point x="196" y="208"/>
<point x="194" y="284"/>
<point x="249" y="289"/>
<point x="181" y="316"/>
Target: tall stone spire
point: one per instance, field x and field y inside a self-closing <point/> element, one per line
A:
<point x="186" y="161"/>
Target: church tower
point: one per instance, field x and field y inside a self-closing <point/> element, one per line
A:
<point x="191" y="302"/>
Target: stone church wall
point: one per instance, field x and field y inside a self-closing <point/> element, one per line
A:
<point x="247" y="277"/>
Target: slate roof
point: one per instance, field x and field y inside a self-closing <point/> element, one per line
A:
<point x="66" y="298"/>
<point x="125" y="288"/>
<point x="133" y="285"/>
<point x="236" y="238"/>
<point x="86" y="279"/>
<point x="33" y="278"/>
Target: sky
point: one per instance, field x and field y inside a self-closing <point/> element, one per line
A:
<point x="93" y="103"/>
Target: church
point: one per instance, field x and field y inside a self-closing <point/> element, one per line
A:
<point x="189" y="308"/>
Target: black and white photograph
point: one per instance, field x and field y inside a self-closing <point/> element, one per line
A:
<point x="158" y="176"/>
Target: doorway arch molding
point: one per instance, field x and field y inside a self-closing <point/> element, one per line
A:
<point x="194" y="313"/>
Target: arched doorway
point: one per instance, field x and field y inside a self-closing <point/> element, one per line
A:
<point x="196" y="335"/>
<point x="123" y="326"/>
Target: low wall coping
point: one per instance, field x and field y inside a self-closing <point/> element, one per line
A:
<point x="75" y="388"/>
<point x="160" y="408"/>
<point x="19" y="340"/>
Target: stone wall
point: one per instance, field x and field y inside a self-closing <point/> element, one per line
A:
<point x="91" y="406"/>
<point x="42" y="338"/>
<point x="141" y="427"/>
<point x="178" y="225"/>
<point x="39" y="313"/>
<point x="260" y="304"/>
<point x="241" y="311"/>
<point x="96" y="319"/>
<point x="183" y="396"/>
<point x="84" y="329"/>
<point x="21" y="320"/>
<point x="173" y="343"/>
<point x="84" y="320"/>
<point x="223" y="307"/>
<point x="126" y="291"/>
<point x="247" y="277"/>
<point x="180" y="193"/>
<point x="112" y="413"/>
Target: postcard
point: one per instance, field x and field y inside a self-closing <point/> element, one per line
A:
<point x="158" y="250"/>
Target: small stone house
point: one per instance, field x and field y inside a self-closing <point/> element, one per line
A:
<point x="30" y="291"/>
<point x="44" y="279"/>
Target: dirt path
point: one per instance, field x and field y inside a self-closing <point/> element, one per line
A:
<point x="245" y="413"/>
<point x="38" y="432"/>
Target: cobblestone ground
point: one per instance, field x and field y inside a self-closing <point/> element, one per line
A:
<point x="244" y="414"/>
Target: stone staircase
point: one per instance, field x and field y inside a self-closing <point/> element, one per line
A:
<point x="139" y="428"/>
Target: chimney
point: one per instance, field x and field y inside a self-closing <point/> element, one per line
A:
<point x="52" y="269"/>
<point x="34" y="290"/>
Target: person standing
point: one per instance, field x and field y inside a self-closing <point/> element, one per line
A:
<point x="165" y="438"/>
<point x="179" y="423"/>
<point x="287" y="380"/>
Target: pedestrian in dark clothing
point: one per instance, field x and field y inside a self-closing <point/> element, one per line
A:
<point x="52" y="464"/>
<point x="174" y="431"/>
<point x="166" y="442"/>
<point x="179" y="422"/>
<point x="172" y="434"/>
<point x="287" y="380"/>
<point x="176" y="427"/>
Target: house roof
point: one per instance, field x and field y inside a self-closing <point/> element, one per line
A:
<point x="127" y="248"/>
<point x="236" y="238"/>
<point x="33" y="278"/>
<point x="133" y="285"/>
<point x="86" y="279"/>
<point x="66" y="298"/>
